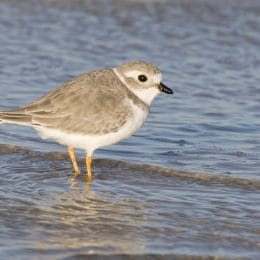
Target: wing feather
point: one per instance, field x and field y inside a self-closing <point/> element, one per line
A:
<point x="86" y="104"/>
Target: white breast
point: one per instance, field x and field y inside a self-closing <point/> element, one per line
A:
<point x="92" y="142"/>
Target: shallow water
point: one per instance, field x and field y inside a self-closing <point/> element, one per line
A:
<point x="188" y="182"/>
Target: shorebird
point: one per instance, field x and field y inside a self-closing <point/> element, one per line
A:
<point x="94" y="109"/>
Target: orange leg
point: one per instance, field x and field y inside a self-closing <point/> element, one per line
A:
<point x="74" y="161"/>
<point x="88" y="165"/>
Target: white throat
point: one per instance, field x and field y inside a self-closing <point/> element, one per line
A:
<point x="146" y="95"/>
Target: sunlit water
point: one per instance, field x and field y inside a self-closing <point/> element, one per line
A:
<point x="187" y="183"/>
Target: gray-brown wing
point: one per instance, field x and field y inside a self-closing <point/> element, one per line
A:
<point x="92" y="103"/>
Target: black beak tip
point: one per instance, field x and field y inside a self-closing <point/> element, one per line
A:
<point x="165" y="89"/>
<point x="170" y="91"/>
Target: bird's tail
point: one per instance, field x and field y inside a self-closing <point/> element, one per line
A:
<point x="15" y="117"/>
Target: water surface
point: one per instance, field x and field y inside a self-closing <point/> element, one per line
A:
<point x="187" y="183"/>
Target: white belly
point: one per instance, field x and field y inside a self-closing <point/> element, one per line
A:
<point x="92" y="142"/>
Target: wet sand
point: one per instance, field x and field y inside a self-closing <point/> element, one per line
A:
<point x="128" y="209"/>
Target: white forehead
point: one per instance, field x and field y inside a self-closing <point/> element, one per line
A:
<point x="154" y="77"/>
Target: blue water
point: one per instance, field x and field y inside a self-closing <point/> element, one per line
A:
<point x="208" y="55"/>
<point x="208" y="52"/>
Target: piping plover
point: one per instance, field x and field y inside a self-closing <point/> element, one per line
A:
<point x="94" y="109"/>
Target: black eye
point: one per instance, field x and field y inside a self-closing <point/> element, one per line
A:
<point x="142" y="78"/>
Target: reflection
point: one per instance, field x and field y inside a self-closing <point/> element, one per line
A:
<point x="88" y="183"/>
<point x="93" y="220"/>
<point x="74" y="182"/>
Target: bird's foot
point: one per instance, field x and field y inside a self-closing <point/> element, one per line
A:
<point x="77" y="173"/>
